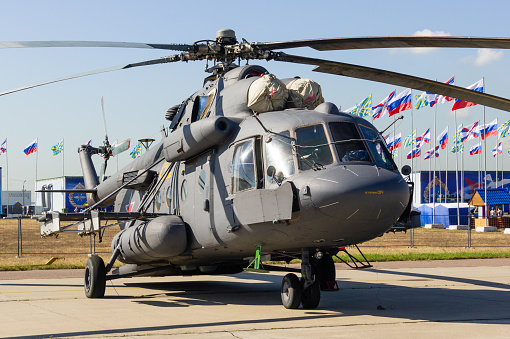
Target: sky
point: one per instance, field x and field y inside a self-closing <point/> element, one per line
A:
<point x="136" y="100"/>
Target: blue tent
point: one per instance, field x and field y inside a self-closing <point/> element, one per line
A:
<point x="426" y="214"/>
<point x="442" y="215"/>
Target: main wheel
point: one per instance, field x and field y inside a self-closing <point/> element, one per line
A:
<point x="311" y="296"/>
<point x="291" y="291"/>
<point x="95" y="277"/>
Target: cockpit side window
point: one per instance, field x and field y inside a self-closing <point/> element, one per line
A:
<point x="377" y="147"/>
<point x="279" y="155"/>
<point x="348" y="143"/>
<point x="312" y="147"/>
<point x="244" y="169"/>
<point x="202" y="106"/>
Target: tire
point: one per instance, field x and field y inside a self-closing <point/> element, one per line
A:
<point x="311" y="296"/>
<point x="291" y="291"/>
<point x="325" y="271"/>
<point x="95" y="277"/>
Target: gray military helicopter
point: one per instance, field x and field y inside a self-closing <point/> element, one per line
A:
<point x="252" y="168"/>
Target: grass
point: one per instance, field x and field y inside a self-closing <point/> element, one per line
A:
<point x="72" y="250"/>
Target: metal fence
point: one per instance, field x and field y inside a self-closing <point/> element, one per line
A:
<point x="22" y="236"/>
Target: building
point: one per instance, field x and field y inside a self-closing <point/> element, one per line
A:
<point x="59" y="201"/>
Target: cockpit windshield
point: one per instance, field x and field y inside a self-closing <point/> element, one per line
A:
<point x="312" y="147"/>
<point x="279" y="155"/>
<point x="380" y="153"/>
<point x="348" y="142"/>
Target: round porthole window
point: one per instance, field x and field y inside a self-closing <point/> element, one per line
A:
<point x="169" y="197"/>
<point x="158" y="201"/>
<point x="184" y="190"/>
<point x="201" y="181"/>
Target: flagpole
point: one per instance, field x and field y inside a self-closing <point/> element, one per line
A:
<point x="456" y="145"/>
<point x="485" y="153"/>
<point x="446" y="171"/>
<point x="63" y="172"/>
<point x="7" y="165"/>
<point x="434" y="175"/>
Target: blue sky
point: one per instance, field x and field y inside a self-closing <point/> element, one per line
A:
<point x="136" y="99"/>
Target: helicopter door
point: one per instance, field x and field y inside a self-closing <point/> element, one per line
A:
<point x="253" y="204"/>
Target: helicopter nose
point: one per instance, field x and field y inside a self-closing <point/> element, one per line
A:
<point x="360" y="193"/>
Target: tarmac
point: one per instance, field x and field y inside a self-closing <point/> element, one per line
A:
<point x="439" y="299"/>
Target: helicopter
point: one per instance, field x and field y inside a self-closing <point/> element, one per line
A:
<point x="252" y="168"/>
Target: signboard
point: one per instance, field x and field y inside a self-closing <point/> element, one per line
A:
<point x="444" y="185"/>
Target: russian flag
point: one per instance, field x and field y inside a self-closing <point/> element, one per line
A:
<point x="389" y="142"/>
<point x="497" y="150"/>
<point x="32" y="148"/>
<point x="415" y="153"/>
<point x="476" y="149"/>
<point x="489" y="130"/>
<point x="458" y="104"/>
<point x="3" y="146"/>
<point x="470" y="132"/>
<point x="397" y="141"/>
<point x="441" y="99"/>
<point x="380" y="110"/>
<point x="400" y="103"/>
<point x="443" y="138"/>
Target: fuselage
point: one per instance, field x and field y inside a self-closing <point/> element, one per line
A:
<point x="285" y="180"/>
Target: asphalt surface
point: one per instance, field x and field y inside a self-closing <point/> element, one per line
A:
<point x="440" y="299"/>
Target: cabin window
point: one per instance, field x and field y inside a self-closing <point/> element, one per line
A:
<point x="244" y="174"/>
<point x="377" y="147"/>
<point x="202" y="105"/>
<point x="169" y="197"/>
<point x="279" y="155"/>
<point x="348" y="142"/>
<point x="159" y="199"/>
<point x="201" y="181"/>
<point x="184" y="190"/>
<point x="312" y="147"/>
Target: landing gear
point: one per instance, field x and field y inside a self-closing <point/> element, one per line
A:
<point x="291" y="291"/>
<point x="95" y="277"/>
<point x="306" y="291"/>
<point x="326" y="271"/>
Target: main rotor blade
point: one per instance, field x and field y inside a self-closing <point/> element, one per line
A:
<point x="37" y="44"/>
<point x="398" y="79"/>
<point x="389" y="42"/>
<point x="104" y="122"/>
<point x="173" y="58"/>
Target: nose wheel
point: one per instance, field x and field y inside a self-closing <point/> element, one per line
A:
<point x="95" y="277"/>
<point x="305" y="291"/>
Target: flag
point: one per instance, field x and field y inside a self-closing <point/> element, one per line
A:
<point x="503" y="129"/>
<point x="458" y="146"/>
<point x="431" y="98"/>
<point x="458" y="104"/>
<point x="476" y="149"/>
<point x="489" y="130"/>
<point x="389" y="142"/>
<point x="31" y="148"/>
<point x="365" y="108"/>
<point x="380" y="110"/>
<point x="497" y="150"/>
<point x="415" y="153"/>
<point x="89" y="143"/>
<point x="397" y="141"/>
<point x="424" y="138"/>
<point x="431" y="152"/>
<point x="470" y="132"/>
<point x="58" y="148"/>
<point x="137" y="150"/>
<point x="421" y="101"/>
<point x="400" y="103"/>
<point x="352" y="110"/>
<point x="441" y="99"/>
<point x="443" y="138"/>
<point x="3" y="146"/>
<point x="410" y="139"/>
